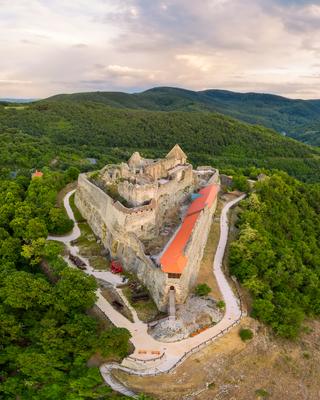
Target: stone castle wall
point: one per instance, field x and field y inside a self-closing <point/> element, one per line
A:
<point x="97" y="206"/>
<point x="137" y="194"/>
<point x="115" y="229"/>
<point x="121" y="230"/>
<point x="194" y="252"/>
<point x="159" y="169"/>
<point x="177" y="180"/>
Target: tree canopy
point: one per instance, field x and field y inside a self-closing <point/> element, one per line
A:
<point x="63" y="134"/>
<point x="46" y="333"/>
<point x="277" y="255"/>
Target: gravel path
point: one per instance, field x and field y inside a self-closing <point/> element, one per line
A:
<point x="143" y="361"/>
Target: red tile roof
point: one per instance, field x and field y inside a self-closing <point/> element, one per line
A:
<point x="37" y="174"/>
<point x="173" y="259"/>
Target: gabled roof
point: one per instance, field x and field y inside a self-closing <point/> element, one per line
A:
<point x="173" y="259"/>
<point x="135" y="160"/>
<point x="206" y="198"/>
<point x="176" y="152"/>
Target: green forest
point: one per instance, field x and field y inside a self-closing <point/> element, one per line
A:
<point x="47" y="332"/>
<point x="277" y="255"/>
<point x="61" y="134"/>
<point x="295" y="117"/>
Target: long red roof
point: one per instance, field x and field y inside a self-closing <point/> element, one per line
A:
<point x="173" y="259"/>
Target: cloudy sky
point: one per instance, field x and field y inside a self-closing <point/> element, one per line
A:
<point x="60" y="46"/>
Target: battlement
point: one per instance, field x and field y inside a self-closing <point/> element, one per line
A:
<point x="154" y="216"/>
<point x="136" y="210"/>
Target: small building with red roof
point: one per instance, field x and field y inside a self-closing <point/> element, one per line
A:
<point x="37" y="174"/>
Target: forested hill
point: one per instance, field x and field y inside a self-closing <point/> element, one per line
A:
<point x="299" y="119"/>
<point x="64" y="132"/>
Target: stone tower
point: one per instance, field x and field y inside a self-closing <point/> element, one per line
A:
<point x="178" y="154"/>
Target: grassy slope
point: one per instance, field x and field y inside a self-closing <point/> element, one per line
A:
<point x="232" y="369"/>
<point x="298" y="118"/>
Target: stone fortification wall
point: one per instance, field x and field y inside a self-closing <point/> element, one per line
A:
<point x="106" y="216"/>
<point x="121" y="229"/>
<point x="194" y="252"/>
<point x="131" y="253"/>
<point x="143" y="220"/>
<point x="159" y="169"/>
<point x="97" y="207"/>
<point x="137" y="194"/>
<point x="176" y="189"/>
<point x="116" y="229"/>
<point x="215" y="178"/>
<point x="196" y="246"/>
<point x="206" y="175"/>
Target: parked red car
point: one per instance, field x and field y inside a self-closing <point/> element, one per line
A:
<point x="116" y="267"/>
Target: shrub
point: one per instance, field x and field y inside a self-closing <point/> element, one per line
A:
<point x="221" y="304"/>
<point x="143" y="396"/>
<point x="202" y="289"/>
<point x="59" y="222"/>
<point x="245" y="334"/>
<point x="262" y="393"/>
<point x="240" y="182"/>
<point x="72" y="174"/>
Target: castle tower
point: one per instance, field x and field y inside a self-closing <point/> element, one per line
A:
<point x="135" y="161"/>
<point x="178" y="154"/>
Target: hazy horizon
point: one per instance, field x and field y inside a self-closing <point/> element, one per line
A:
<point x="264" y="46"/>
<point x="30" y="99"/>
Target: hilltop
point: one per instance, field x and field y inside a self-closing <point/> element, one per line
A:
<point x="55" y="136"/>
<point x="299" y="119"/>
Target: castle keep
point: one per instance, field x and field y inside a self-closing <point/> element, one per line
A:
<point x="154" y="216"/>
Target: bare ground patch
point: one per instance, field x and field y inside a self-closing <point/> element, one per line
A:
<point x="265" y="367"/>
<point x="111" y="295"/>
<point x="230" y="369"/>
<point x="205" y="272"/>
<point x="206" y="267"/>
<point x="146" y="308"/>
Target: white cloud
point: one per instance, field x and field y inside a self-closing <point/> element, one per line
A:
<point x="14" y="82"/>
<point x="57" y="46"/>
<point x="124" y="70"/>
<point x="202" y="63"/>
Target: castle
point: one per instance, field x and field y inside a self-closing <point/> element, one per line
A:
<point x="154" y="216"/>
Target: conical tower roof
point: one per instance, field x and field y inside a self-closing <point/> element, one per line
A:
<point x="176" y="152"/>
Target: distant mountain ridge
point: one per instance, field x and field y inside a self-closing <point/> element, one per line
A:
<point x="12" y="100"/>
<point x="299" y="119"/>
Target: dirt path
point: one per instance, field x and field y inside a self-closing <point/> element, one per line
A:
<point x="63" y="192"/>
<point x="229" y="369"/>
<point x="145" y="345"/>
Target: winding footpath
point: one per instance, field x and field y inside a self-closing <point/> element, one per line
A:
<point x="169" y="354"/>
